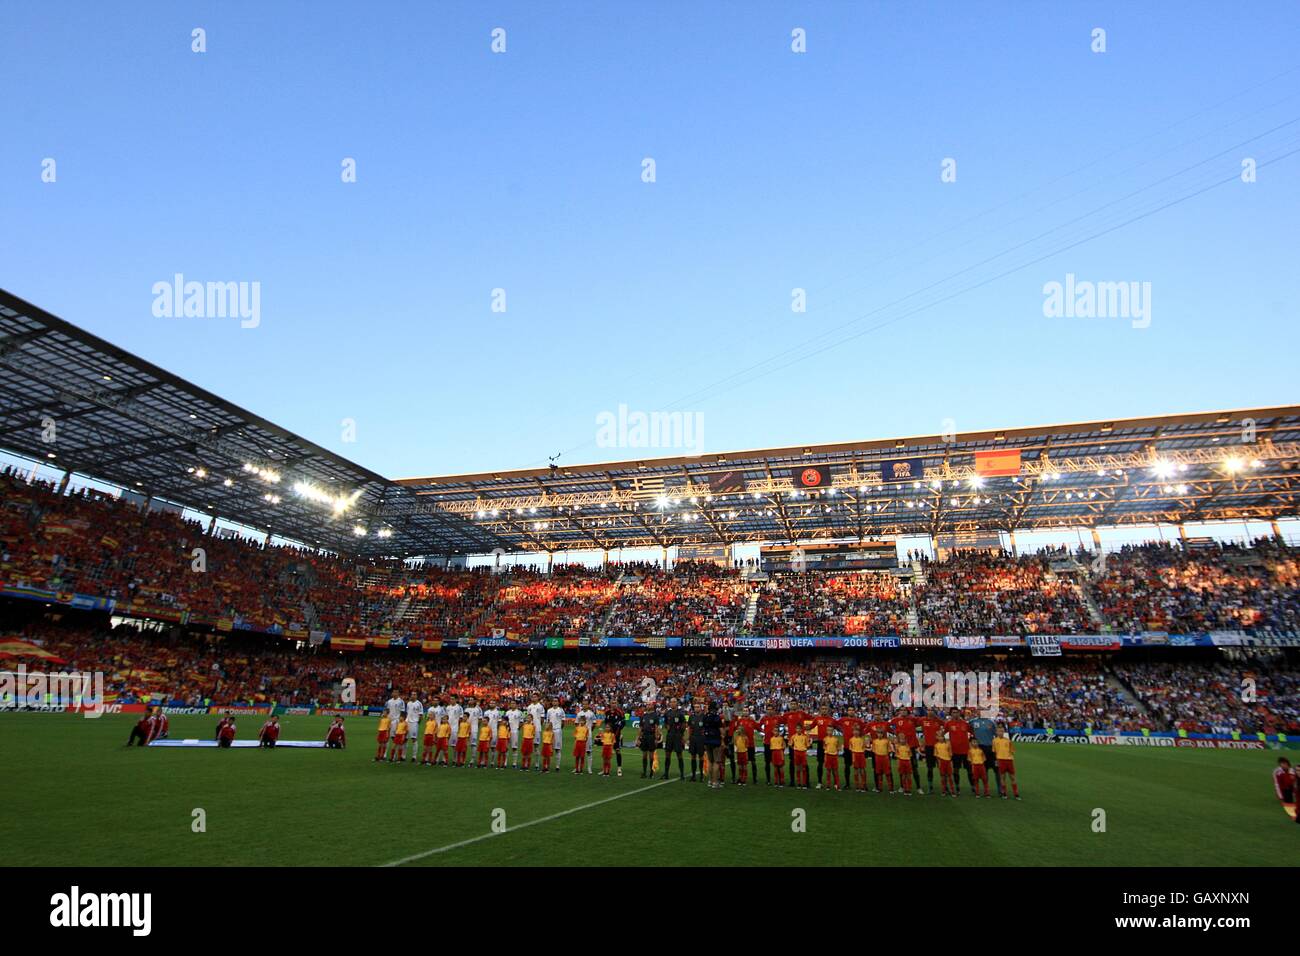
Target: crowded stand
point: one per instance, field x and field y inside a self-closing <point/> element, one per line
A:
<point x="692" y="598"/>
<point x="998" y="593"/>
<point x="1167" y="588"/>
<point x="807" y="603"/>
<point x="111" y="548"/>
<point x="1215" y="698"/>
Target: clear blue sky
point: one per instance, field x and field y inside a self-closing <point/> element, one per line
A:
<point x="775" y="170"/>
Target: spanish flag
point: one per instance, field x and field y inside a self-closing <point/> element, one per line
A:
<point x="348" y="643"/>
<point x="997" y="464"/>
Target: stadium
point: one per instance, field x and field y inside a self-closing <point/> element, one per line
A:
<point x="1182" y="649"/>
<point x="976" y="564"/>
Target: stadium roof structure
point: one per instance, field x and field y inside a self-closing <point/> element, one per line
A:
<point x="1231" y="465"/>
<point x="74" y="401"/>
<point x="122" y="420"/>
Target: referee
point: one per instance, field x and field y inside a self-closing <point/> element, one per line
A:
<point x="674" y="731"/>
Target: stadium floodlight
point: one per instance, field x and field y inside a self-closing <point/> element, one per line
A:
<point x="479" y="514"/>
<point x="936" y="484"/>
<point x="266" y="474"/>
<point x="1162" y="469"/>
<point x="200" y="473"/>
<point x="976" y="481"/>
<point x="359" y="531"/>
<point x="229" y="483"/>
<point x="385" y="532"/>
<point x="662" y="501"/>
<point x="1256" y="463"/>
<point x="1101" y="472"/>
<point x="1182" y="489"/>
<point x="1232" y="465"/>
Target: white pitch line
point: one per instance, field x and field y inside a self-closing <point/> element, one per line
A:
<point x="530" y="823"/>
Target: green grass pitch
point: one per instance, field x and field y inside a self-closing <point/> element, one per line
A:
<point x="73" y="795"/>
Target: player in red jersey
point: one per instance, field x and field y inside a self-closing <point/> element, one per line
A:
<point x="822" y="726"/>
<point x="903" y="726"/>
<point x="793" y="718"/>
<point x="931" y="726"/>
<point x="336" y="738"/>
<point x="958" y="731"/>
<point x="770" y="726"/>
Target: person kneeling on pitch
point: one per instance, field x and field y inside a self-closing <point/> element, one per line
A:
<point x="270" y="732"/>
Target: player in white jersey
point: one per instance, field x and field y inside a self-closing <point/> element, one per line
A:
<point x="414" y="711"/>
<point x="514" y="717"/>
<point x="585" y="711"/>
<point x="555" y="716"/>
<point x="538" y="713"/>
<point x="475" y="713"/>
<point x="454" y="711"/>
<point x="394" y="707"/>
